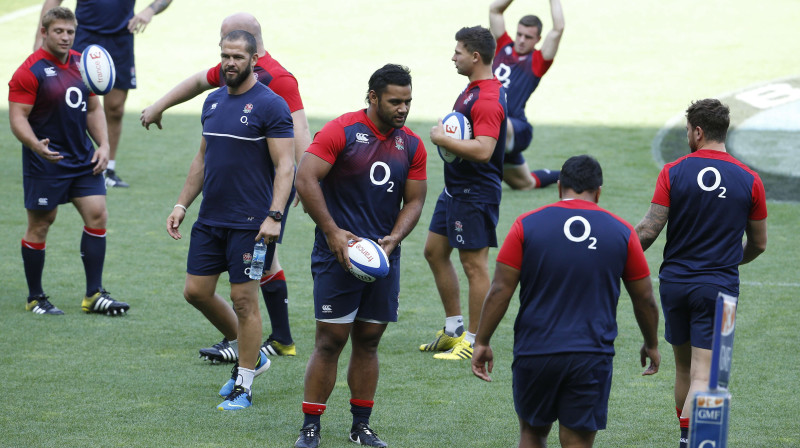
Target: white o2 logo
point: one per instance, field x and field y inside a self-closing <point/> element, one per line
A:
<point x="386" y="174"/>
<point x="715" y="185"/>
<point x="503" y="72"/>
<point x="587" y="230"/>
<point x="77" y="102"/>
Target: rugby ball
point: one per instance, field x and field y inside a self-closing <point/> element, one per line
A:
<point x="368" y="261"/>
<point x="457" y="126"/>
<point x="97" y="69"/>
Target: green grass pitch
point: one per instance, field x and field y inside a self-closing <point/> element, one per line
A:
<point x="623" y="70"/>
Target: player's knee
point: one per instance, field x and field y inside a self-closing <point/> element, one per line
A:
<point x="329" y="345"/>
<point x="244" y="306"/>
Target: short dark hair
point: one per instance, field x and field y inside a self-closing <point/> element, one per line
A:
<point x="532" y="20"/>
<point x="389" y="74"/>
<point x="581" y="173"/>
<point x="249" y="39"/>
<point x="480" y="39"/>
<point x="711" y="116"/>
<point x="58" y="13"/>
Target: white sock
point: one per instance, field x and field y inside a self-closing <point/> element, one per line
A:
<point x="244" y="378"/>
<point x="235" y="346"/>
<point x="111" y="164"/>
<point x="470" y="337"/>
<point x="452" y="325"/>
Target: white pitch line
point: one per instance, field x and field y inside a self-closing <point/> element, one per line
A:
<point x="20" y="13"/>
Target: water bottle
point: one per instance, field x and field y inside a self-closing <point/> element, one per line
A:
<point x="259" y="256"/>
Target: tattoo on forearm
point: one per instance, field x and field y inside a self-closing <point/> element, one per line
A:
<point x="652" y="224"/>
<point x="160" y="5"/>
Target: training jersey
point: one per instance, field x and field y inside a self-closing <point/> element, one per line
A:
<point x="520" y="74"/>
<point x="364" y="188"/>
<point x="483" y="102"/>
<point x="271" y="73"/>
<point x="104" y="16"/>
<point x="571" y="256"/>
<point x="59" y="99"/>
<point x="710" y="196"/>
<point x="239" y="172"/>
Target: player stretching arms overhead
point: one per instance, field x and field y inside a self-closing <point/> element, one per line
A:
<point x="520" y="67"/>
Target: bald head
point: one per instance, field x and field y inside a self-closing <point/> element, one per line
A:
<point x="246" y="22"/>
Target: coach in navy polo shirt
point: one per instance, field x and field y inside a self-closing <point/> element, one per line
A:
<point x="568" y="258"/>
<point x="244" y="168"/>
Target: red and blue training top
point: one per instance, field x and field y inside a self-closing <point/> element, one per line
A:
<point x="364" y="189"/>
<point x="571" y="256"/>
<point x="59" y="99"/>
<point x="483" y="102"/>
<point x="710" y="196"/>
<point x="520" y="74"/>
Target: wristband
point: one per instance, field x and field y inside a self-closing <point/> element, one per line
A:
<point x="181" y="206"/>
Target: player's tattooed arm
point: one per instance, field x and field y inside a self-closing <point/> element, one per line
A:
<point x="139" y="22"/>
<point x="160" y="5"/>
<point x="651" y="225"/>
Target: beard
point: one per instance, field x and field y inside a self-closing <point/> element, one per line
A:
<point x="238" y="79"/>
<point x="388" y="118"/>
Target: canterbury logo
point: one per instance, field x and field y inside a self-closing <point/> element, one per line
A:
<point x="327" y="309"/>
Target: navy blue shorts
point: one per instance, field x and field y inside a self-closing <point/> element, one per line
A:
<point x="467" y="225"/>
<point x="46" y="194"/>
<point x="213" y="250"/>
<point x="523" y="135"/>
<point x="119" y="46"/>
<point x="339" y="297"/>
<point x="572" y="388"/>
<point x="689" y="312"/>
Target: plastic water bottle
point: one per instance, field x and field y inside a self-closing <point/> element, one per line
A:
<point x="259" y="256"/>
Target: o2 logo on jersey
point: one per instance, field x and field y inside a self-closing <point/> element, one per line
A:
<point x="715" y="184"/>
<point x="386" y="174"/>
<point x="74" y="98"/>
<point x="587" y="230"/>
<point x="503" y="72"/>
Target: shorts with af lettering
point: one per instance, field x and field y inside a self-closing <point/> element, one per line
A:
<point x="467" y="225"/>
<point x="213" y="250"/>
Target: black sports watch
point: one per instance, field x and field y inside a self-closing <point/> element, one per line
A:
<point x="276" y="215"/>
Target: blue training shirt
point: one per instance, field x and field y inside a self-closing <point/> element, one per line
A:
<point x="239" y="172"/>
<point x="571" y="256"/>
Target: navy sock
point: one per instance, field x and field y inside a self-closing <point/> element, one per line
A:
<point x="361" y="410"/>
<point x="312" y="413"/>
<point x="276" y="297"/>
<point x="545" y="177"/>
<point x="33" y="261"/>
<point x="93" y="253"/>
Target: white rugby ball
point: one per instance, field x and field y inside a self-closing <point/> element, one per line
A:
<point x="97" y="69"/>
<point x="457" y="126"/>
<point x="368" y="261"/>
